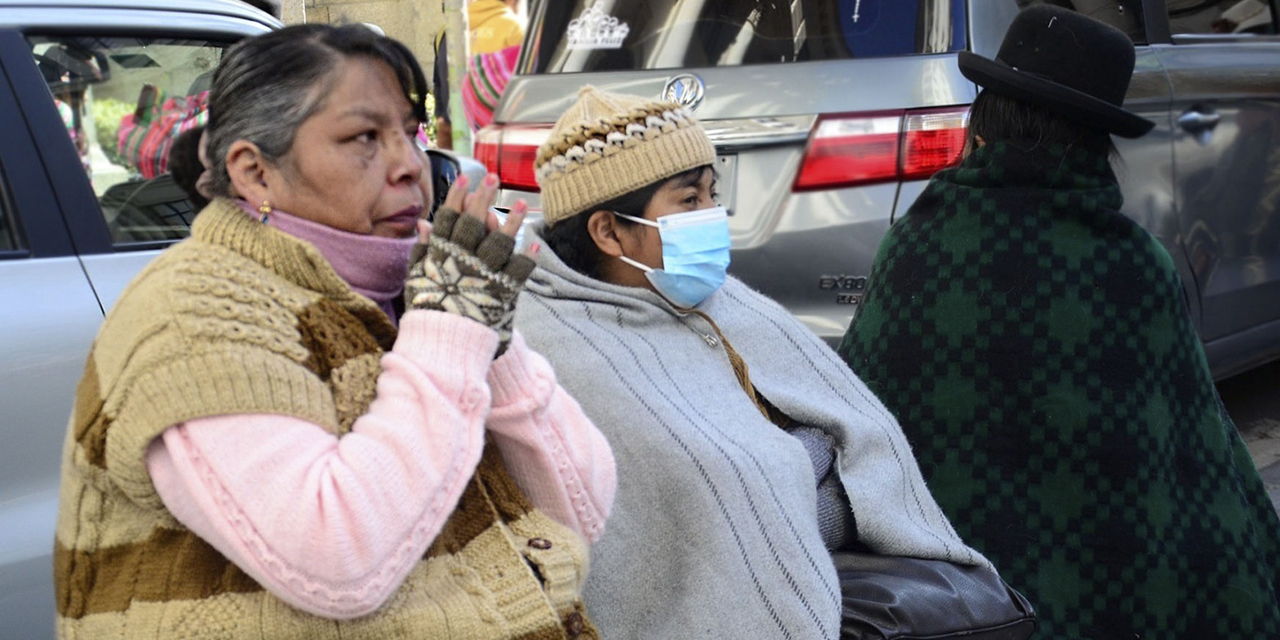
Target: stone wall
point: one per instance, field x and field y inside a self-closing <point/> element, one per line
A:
<point x="413" y="22"/>
<point x="293" y="11"/>
<point x="416" y="23"/>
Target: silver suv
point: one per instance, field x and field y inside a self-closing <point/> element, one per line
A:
<point x="83" y="206"/>
<point x="828" y="116"/>
<point x="92" y="93"/>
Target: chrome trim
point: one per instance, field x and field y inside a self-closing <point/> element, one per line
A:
<point x="686" y="90"/>
<point x="747" y="133"/>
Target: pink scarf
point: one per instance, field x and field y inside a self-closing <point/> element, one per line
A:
<point x="373" y="266"/>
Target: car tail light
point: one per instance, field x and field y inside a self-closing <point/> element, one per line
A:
<point x="932" y="141"/>
<point x="844" y="151"/>
<point x="509" y="151"/>
<point x="853" y="149"/>
<point x="515" y="158"/>
<point x="487" y="146"/>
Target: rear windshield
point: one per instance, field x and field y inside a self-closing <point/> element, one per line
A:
<point x="571" y="36"/>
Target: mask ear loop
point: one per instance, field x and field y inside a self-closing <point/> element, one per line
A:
<point x="640" y="220"/>
<point x="639" y="265"/>
<point x="643" y="221"/>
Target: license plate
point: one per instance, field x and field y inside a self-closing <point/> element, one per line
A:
<point x="727" y="180"/>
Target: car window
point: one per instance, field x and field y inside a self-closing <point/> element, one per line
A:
<point x="1222" y="17"/>
<point x="571" y="36"/>
<point x="124" y="101"/>
<point x="1125" y="15"/>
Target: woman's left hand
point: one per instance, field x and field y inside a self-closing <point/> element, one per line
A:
<point x="466" y="263"/>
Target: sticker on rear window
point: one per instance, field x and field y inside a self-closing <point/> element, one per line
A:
<point x="595" y="29"/>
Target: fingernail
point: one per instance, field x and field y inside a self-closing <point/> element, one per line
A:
<point x="535" y="248"/>
<point x="520" y="206"/>
<point x="490" y="180"/>
<point x="462" y="180"/>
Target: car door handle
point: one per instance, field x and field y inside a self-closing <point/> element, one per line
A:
<point x="1195" y="121"/>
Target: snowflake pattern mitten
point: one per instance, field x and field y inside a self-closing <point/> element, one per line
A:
<point x="466" y="270"/>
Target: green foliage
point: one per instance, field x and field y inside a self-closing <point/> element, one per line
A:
<point x="430" y="125"/>
<point x="107" y="115"/>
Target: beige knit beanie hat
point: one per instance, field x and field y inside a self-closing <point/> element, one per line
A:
<point x="608" y="145"/>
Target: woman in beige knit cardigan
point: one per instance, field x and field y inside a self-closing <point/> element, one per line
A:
<point x="257" y="451"/>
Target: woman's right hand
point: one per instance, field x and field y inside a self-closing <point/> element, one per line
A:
<point x="466" y="263"/>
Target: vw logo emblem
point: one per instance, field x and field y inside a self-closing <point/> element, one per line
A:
<point x="685" y="90"/>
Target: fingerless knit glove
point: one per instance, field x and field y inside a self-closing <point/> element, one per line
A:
<point x="466" y="270"/>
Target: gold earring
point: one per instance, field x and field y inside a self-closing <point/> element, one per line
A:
<point x="265" y="209"/>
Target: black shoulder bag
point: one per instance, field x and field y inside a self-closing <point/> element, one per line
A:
<point x="889" y="597"/>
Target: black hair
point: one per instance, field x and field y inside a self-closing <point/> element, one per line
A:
<point x="998" y="118"/>
<point x="571" y="240"/>
<point x="268" y="85"/>
<point x="185" y="165"/>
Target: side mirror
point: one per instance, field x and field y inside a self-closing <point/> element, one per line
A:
<point x="72" y="68"/>
<point x="446" y="166"/>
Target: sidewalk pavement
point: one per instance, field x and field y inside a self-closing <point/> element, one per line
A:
<point x="1263" y="439"/>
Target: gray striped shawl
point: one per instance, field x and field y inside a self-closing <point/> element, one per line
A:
<point x="714" y="530"/>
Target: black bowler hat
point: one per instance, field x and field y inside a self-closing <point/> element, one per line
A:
<point x="1066" y="62"/>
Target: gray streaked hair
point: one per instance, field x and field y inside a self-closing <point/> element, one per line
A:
<point x="267" y="86"/>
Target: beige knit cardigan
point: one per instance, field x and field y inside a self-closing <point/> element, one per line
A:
<point x="241" y="318"/>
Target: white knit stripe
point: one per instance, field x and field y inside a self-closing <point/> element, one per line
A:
<point x="594" y="148"/>
<point x="471" y="260"/>
<point x="583" y="185"/>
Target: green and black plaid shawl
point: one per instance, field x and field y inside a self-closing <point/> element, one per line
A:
<point x="1034" y="344"/>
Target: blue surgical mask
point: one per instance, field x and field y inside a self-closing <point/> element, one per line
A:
<point x="695" y="254"/>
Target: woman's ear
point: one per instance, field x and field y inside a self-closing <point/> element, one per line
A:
<point x="248" y="170"/>
<point x="972" y="143"/>
<point x="604" y="228"/>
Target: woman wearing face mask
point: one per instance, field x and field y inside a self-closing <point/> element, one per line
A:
<point x="256" y="450"/>
<point x="745" y="449"/>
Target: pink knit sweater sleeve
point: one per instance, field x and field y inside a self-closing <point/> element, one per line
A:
<point x="333" y="525"/>
<point x="554" y="452"/>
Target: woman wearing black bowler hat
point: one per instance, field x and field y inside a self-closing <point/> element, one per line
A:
<point x="1035" y="346"/>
